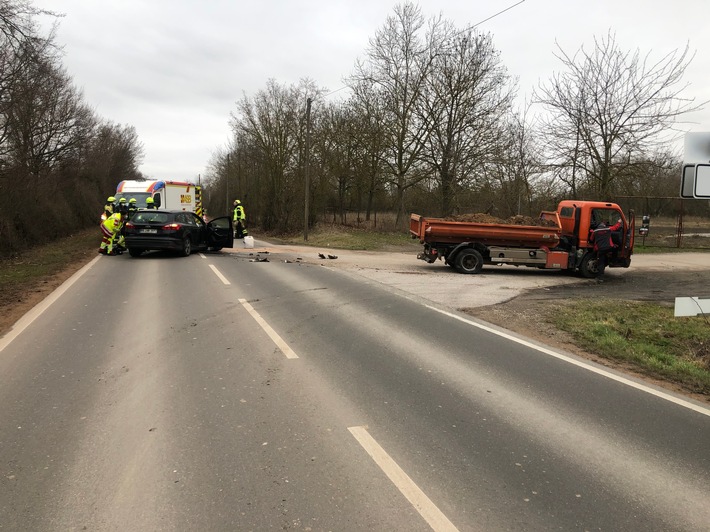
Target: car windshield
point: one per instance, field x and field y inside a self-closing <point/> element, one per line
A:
<point x="151" y="217"/>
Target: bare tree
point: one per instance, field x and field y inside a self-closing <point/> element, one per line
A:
<point x="399" y="59"/>
<point x="55" y="154"/>
<point x="608" y="108"/>
<point x="17" y="21"/>
<point x="46" y="118"/>
<point x="468" y="96"/>
<point x="515" y="168"/>
<point x="368" y="136"/>
<point x="273" y="124"/>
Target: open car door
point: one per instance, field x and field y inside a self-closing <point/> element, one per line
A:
<point x="220" y="233"/>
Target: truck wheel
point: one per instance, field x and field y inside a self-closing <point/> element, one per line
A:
<point x="588" y="267"/>
<point x="186" y="247"/>
<point x="469" y="261"/>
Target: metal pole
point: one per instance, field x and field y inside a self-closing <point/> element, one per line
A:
<point x="226" y="210"/>
<point x="307" y="169"/>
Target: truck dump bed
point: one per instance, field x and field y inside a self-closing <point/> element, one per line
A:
<point x="438" y="230"/>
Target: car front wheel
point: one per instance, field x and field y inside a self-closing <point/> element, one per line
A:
<point x="589" y="267"/>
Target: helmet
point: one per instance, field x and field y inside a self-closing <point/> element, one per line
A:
<point x="133" y="200"/>
<point x="122" y="200"/>
<point x="237" y="202"/>
<point x="149" y="201"/>
<point x="111" y="199"/>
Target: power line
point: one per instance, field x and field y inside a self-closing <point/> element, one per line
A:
<point x="468" y="28"/>
<point x="494" y="16"/>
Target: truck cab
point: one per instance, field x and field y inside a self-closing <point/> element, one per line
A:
<point x="579" y="218"/>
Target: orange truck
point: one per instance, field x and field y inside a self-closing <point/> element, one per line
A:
<point x="562" y="243"/>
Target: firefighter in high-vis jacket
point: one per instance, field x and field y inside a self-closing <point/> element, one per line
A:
<point x="132" y="207"/>
<point x="240" y="228"/>
<point x="110" y="231"/>
<point x="150" y="203"/>
<point x="108" y="208"/>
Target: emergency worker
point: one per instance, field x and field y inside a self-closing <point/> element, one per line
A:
<point x="110" y="231"/>
<point x="122" y="206"/>
<point x="150" y="203"/>
<point x="122" y="209"/>
<point x="602" y="238"/>
<point x="132" y="207"/>
<point x="240" y="230"/>
<point x="108" y="208"/>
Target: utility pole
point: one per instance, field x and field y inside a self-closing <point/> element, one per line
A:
<point x="226" y="209"/>
<point x="307" y="169"/>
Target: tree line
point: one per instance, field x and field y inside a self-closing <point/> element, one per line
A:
<point x="57" y="156"/>
<point x="430" y="126"/>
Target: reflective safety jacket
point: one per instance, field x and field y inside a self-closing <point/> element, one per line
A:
<point x="113" y="223"/>
<point x="239" y="213"/>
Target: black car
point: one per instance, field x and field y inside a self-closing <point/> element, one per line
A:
<point x="179" y="231"/>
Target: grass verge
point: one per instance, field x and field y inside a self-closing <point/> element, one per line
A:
<point x="644" y="335"/>
<point x="22" y="272"/>
<point x="352" y="238"/>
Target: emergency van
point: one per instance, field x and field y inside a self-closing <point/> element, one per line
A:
<point x="169" y="195"/>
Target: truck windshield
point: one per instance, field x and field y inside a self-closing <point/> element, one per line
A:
<point x="608" y="216"/>
<point x="140" y="198"/>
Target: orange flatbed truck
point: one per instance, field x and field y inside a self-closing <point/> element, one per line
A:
<point x="562" y="244"/>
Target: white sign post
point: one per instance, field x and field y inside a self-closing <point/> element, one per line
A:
<point x="691" y="306"/>
<point x="695" y="178"/>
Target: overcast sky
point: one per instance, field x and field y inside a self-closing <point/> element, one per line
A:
<point x="174" y="69"/>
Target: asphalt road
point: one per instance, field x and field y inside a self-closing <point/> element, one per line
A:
<point x="216" y="392"/>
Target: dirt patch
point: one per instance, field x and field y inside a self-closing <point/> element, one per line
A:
<point x="484" y="218"/>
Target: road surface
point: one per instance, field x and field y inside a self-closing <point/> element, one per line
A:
<point x="225" y="392"/>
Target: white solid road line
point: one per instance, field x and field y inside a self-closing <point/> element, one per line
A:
<point x="588" y="367"/>
<point x="219" y="274"/>
<point x="38" y="309"/>
<point x="427" y="509"/>
<point x="283" y="346"/>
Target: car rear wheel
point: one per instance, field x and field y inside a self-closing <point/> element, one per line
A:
<point x="135" y="252"/>
<point x="186" y="247"/>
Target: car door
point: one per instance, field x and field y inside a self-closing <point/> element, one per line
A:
<point x="220" y="232"/>
<point x="198" y="229"/>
